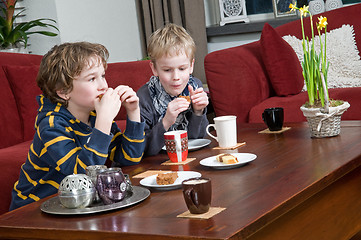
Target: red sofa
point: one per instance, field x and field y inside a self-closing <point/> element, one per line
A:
<point x="246" y="79"/>
<point x="18" y="109"/>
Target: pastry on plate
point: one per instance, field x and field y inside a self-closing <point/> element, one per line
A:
<point x="166" y="178"/>
<point x="226" y="158"/>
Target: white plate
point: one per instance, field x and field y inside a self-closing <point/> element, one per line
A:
<point x="243" y="158"/>
<point x="182" y="175"/>
<point x="195" y="144"/>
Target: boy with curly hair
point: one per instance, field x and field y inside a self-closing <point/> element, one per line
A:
<point x="70" y="135"/>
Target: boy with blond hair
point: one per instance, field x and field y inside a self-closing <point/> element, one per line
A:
<point x="70" y="135"/>
<point x="172" y="99"/>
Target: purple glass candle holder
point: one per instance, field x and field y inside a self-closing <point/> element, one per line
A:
<point x="111" y="186"/>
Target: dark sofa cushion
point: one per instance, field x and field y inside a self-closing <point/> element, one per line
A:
<point x="11" y="159"/>
<point x="22" y="80"/>
<point x="282" y="64"/>
<point x="10" y="119"/>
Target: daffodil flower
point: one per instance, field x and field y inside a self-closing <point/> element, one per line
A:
<point x="292" y="7"/>
<point x="315" y="64"/>
<point x="322" y="23"/>
<point x="304" y="11"/>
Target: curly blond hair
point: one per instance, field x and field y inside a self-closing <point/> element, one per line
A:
<point x="170" y="40"/>
<point x="63" y="63"/>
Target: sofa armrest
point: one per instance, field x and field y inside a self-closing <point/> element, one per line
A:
<point x="237" y="80"/>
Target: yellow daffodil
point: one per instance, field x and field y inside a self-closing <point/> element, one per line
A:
<point x="304" y="11"/>
<point x="314" y="64"/>
<point x="292" y="7"/>
<point x="322" y="22"/>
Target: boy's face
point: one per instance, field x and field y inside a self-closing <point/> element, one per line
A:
<point x="88" y="86"/>
<point x="173" y="72"/>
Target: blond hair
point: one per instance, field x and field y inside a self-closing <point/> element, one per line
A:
<point x="169" y="40"/>
<point x="63" y="63"/>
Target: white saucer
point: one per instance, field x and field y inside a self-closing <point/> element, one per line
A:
<point x="182" y="175"/>
<point x="243" y="158"/>
<point x="195" y="144"/>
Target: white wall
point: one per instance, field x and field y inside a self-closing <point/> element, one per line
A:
<point x="112" y="23"/>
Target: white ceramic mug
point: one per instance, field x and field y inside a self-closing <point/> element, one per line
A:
<point x="226" y="128"/>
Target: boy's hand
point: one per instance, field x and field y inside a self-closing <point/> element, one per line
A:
<point x="130" y="101"/>
<point x="199" y="100"/>
<point x="107" y="109"/>
<point x="174" y="108"/>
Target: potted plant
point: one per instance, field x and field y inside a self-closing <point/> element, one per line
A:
<point x="16" y="35"/>
<point x="322" y="113"/>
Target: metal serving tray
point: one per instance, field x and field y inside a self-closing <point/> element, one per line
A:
<point x="53" y="205"/>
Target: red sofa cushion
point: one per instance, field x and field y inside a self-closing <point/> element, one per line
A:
<point x="11" y="130"/>
<point x="282" y="64"/>
<point x="292" y="104"/>
<point x="11" y="159"/>
<point x="22" y="80"/>
<point x="228" y="86"/>
<point x="134" y="74"/>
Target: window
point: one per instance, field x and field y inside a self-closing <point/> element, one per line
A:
<point x="265" y="6"/>
<point x="258" y="6"/>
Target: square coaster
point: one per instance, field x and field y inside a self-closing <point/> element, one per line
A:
<point x="149" y="173"/>
<point x="212" y="211"/>
<point x="169" y="162"/>
<point x="280" y="131"/>
<point x="231" y="148"/>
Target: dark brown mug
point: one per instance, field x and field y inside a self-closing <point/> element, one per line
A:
<point x="197" y="194"/>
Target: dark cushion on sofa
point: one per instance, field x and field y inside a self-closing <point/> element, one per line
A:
<point x="282" y="64"/>
<point x="22" y="80"/>
<point x="10" y="119"/>
<point x="11" y="159"/>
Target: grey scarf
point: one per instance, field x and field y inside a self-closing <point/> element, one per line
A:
<point x="161" y="100"/>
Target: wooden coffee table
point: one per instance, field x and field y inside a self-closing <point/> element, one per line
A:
<point x="297" y="188"/>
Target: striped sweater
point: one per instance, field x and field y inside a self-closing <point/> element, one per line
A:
<point x="63" y="145"/>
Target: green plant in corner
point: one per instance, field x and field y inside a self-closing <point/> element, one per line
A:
<point x="11" y="34"/>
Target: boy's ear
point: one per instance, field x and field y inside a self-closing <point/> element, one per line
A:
<point x="152" y="66"/>
<point x="62" y="94"/>
<point x="192" y="66"/>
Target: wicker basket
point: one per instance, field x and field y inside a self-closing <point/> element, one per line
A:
<point x="325" y="124"/>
